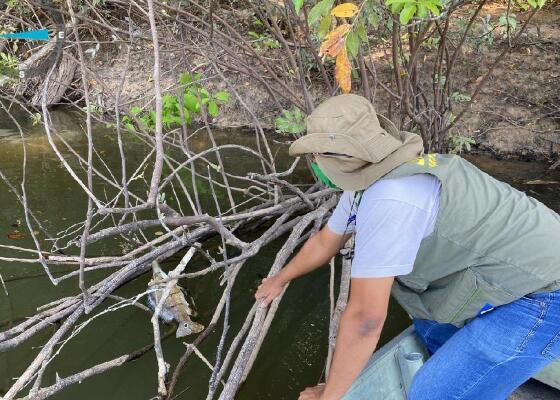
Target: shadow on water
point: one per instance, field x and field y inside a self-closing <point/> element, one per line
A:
<point x="293" y="354"/>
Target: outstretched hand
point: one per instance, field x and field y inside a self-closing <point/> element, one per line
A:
<point x="269" y="289"/>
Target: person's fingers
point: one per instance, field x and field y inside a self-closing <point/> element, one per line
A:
<point x="264" y="302"/>
<point x="311" y="392"/>
<point x="267" y="294"/>
<point x="259" y="293"/>
<point x="306" y="394"/>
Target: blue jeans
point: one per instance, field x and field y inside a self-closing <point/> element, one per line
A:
<point x="493" y="354"/>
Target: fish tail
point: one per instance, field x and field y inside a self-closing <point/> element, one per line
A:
<point x="196" y="327"/>
<point x="156" y="267"/>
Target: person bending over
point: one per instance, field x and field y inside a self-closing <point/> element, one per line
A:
<point x="473" y="261"/>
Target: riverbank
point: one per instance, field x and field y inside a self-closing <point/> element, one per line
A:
<point x="517" y="114"/>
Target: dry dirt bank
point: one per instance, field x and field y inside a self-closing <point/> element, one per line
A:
<point x="517" y="114"/>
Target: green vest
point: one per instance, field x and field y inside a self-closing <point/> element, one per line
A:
<point x="491" y="245"/>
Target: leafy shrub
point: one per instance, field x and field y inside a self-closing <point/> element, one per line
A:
<point x="460" y="143"/>
<point x="290" y="122"/>
<point x="193" y="97"/>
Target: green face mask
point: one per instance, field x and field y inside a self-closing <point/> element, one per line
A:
<point x="322" y="177"/>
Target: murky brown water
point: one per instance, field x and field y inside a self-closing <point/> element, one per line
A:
<point x="293" y="354"/>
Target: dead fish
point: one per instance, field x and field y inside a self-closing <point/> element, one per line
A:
<point x="175" y="307"/>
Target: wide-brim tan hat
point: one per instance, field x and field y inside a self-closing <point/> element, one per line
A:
<point x="354" y="145"/>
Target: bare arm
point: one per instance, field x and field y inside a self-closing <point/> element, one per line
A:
<point x="358" y="334"/>
<point x="316" y="251"/>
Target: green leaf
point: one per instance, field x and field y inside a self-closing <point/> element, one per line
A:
<point x="213" y="109"/>
<point x="460" y="97"/>
<point x="400" y="2"/>
<point x="325" y="26"/>
<point x="407" y="13"/>
<point x="505" y="20"/>
<point x="188" y="117"/>
<point x="397" y="6"/>
<point x="135" y="110"/>
<point x="222" y="96"/>
<point x="513" y="23"/>
<point x="185" y="78"/>
<point x="373" y="19"/>
<point x="145" y="120"/>
<point x="297" y="5"/>
<point x="352" y="43"/>
<point x="532" y="3"/>
<point x="433" y="8"/>
<point x="191" y="102"/>
<point x="169" y="101"/>
<point x="167" y="119"/>
<point x="361" y="31"/>
<point x="319" y="10"/>
<point x="175" y="120"/>
<point x="290" y="122"/>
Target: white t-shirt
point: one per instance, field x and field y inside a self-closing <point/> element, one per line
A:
<point x="393" y="217"/>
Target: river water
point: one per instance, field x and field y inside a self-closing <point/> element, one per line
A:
<point x="293" y="354"/>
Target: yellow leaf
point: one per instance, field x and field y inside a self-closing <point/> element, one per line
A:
<point x="334" y="41"/>
<point x="344" y="10"/>
<point x="342" y="71"/>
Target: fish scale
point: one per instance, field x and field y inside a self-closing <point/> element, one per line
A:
<point x="175" y="307"/>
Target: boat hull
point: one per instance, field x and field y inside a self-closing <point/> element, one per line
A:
<point x="388" y="373"/>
